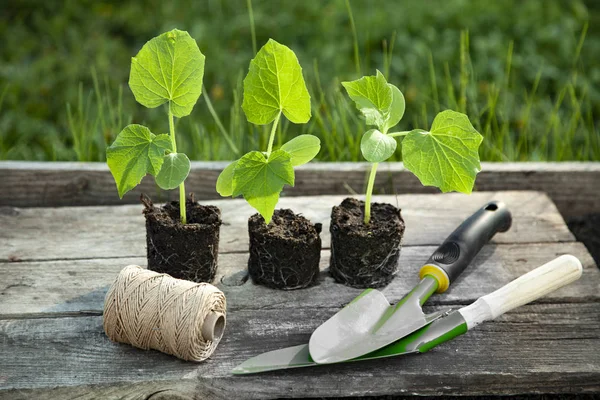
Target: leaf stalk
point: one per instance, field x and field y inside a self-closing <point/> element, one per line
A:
<point x="396" y="134"/>
<point x="272" y="137"/>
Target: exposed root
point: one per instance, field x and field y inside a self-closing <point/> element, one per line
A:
<point x="146" y="201"/>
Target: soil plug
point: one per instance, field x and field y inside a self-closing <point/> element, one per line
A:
<point x="365" y="237"/>
<point x="284" y="254"/>
<point x="285" y="248"/>
<point x="187" y="251"/>
<point x="182" y="237"/>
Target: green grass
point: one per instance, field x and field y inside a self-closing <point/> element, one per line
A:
<point x="529" y="85"/>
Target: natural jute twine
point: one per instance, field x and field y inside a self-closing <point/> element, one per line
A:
<point x="155" y="311"/>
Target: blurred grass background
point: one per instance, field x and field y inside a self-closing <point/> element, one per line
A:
<point x="526" y="72"/>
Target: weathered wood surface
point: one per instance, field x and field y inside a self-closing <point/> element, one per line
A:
<point x="100" y="232"/>
<point x="52" y="344"/>
<point x="77" y="287"/>
<point x="573" y="186"/>
<point x="545" y="348"/>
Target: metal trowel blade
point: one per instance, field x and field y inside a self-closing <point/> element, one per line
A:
<point x="298" y="357"/>
<point x="369" y="323"/>
<point x="290" y="357"/>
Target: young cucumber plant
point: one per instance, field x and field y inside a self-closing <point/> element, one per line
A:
<point x="446" y="156"/>
<point x="274" y="86"/>
<point x="167" y="70"/>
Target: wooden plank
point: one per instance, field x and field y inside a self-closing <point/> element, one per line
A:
<point x="543" y="348"/>
<point x="572" y="185"/>
<point x="102" y="232"/>
<point x="37" y="289"/>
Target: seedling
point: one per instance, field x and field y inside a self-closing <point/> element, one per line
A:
<point x="274" y="86"/>
<point x="167" y="70"/>
<point x="446" y="156"/>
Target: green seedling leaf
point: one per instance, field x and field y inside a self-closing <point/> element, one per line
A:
<point x="168" y="68"/>
<point x="373" y="97"/>
<point x="397" y="108"/>
<point x="136" y="152"/>
<point x="447" y="156"/>
<point x="274" y="84"/>
<point x="302" y="149"/>
<point x="175" y="169"/>
<point x="260" y="180"/>
<point x="225" y="180"/>
<point x="377" y="147"/>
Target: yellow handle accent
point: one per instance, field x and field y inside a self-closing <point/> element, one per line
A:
<point x="438" y="274"/>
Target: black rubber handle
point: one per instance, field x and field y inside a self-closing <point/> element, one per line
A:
<point x="459" y="249"/>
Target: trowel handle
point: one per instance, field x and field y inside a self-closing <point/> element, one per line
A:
<point x="459" y="249"/>
<point x="529" y="287"/>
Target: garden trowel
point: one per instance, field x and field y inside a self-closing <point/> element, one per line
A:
<point x="369" y="322"/>
<point x="525" y="289"/>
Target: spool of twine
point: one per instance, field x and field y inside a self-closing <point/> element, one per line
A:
<point x="155" y="311"/>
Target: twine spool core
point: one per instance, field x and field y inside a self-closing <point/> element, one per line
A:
<point x="155" y="311"/>
<point x="213" y="326"/>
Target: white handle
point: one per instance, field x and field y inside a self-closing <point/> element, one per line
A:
<point x="529" y="287"/>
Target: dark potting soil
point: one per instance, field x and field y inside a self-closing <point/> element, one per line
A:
<point x="587" y="230"/>
<point x="187" y="251"/>
<point x="284" y="254"/>
<point x="365" y="255"/>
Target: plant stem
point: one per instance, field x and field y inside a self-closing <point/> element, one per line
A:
<point x="370" y="192"/>
<point x="182" y="185"/>
<point x="272" y="137"/>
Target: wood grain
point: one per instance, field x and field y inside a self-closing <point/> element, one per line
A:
<point x="572" y="185"/>
<point x="78" y="287"/>
<point x="533" y="349"/>
<point x="57" y="263"/>
<point x="119" y="231"/>
<point x="181" y="389"/>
